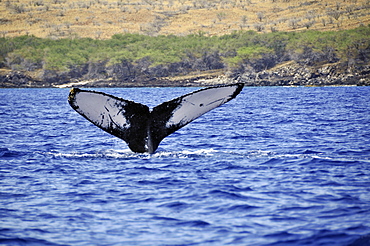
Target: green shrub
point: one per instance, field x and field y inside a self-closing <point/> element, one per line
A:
<point x="234" y="49"/>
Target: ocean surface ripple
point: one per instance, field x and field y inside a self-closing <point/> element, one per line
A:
<point x="276" y="166"/>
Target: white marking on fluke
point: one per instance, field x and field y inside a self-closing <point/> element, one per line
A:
<point x="141" y="128"/>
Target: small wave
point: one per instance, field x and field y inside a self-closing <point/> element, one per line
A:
<point x="26" y="241"/>
<point x="162" y="218"/>
<point x="272" y="158"/>
<point x="194" y="223"/>
<point x="242" y="208"/>
<point x="361" y="241"/>
<point x="176" y="206"/>
<point x="239" y="209"/>
<point x="183" y="223"/>
<point x="6" y="153"/>
<point x="227" y="195"/>
<point x="336" y="160"/>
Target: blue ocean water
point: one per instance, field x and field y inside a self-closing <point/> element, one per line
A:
<point x="275" y="166"/>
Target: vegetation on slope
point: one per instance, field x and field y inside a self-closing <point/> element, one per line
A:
<point x="133" y="56"/>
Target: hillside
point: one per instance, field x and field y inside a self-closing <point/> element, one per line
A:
<point x="101" y="19"/>
<point x="166" y="43"/>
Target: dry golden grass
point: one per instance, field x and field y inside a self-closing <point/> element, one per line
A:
<point x="104" y="18"/>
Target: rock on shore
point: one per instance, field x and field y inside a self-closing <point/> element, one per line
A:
<point x="293" y="74"/>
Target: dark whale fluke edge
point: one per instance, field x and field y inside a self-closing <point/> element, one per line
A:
<point x="141" y="128"/>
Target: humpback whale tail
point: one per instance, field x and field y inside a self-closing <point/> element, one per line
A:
<point x="141" y="128"/>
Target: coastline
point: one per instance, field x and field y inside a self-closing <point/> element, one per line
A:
<point x="187" y="83"/>
<point x="288" y="75"/>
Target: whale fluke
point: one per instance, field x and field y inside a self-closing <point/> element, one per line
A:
<point x="141" y="128"/>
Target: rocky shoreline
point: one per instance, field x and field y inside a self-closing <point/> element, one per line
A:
<point x="291" y="74"/>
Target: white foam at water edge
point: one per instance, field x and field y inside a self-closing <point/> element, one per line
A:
<point x="126" y="153"/>
<point x="101" y="154"/>
<point x="200" y="152"/>
<point x="185" y="153"/>
<point x="68" y="155"/>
